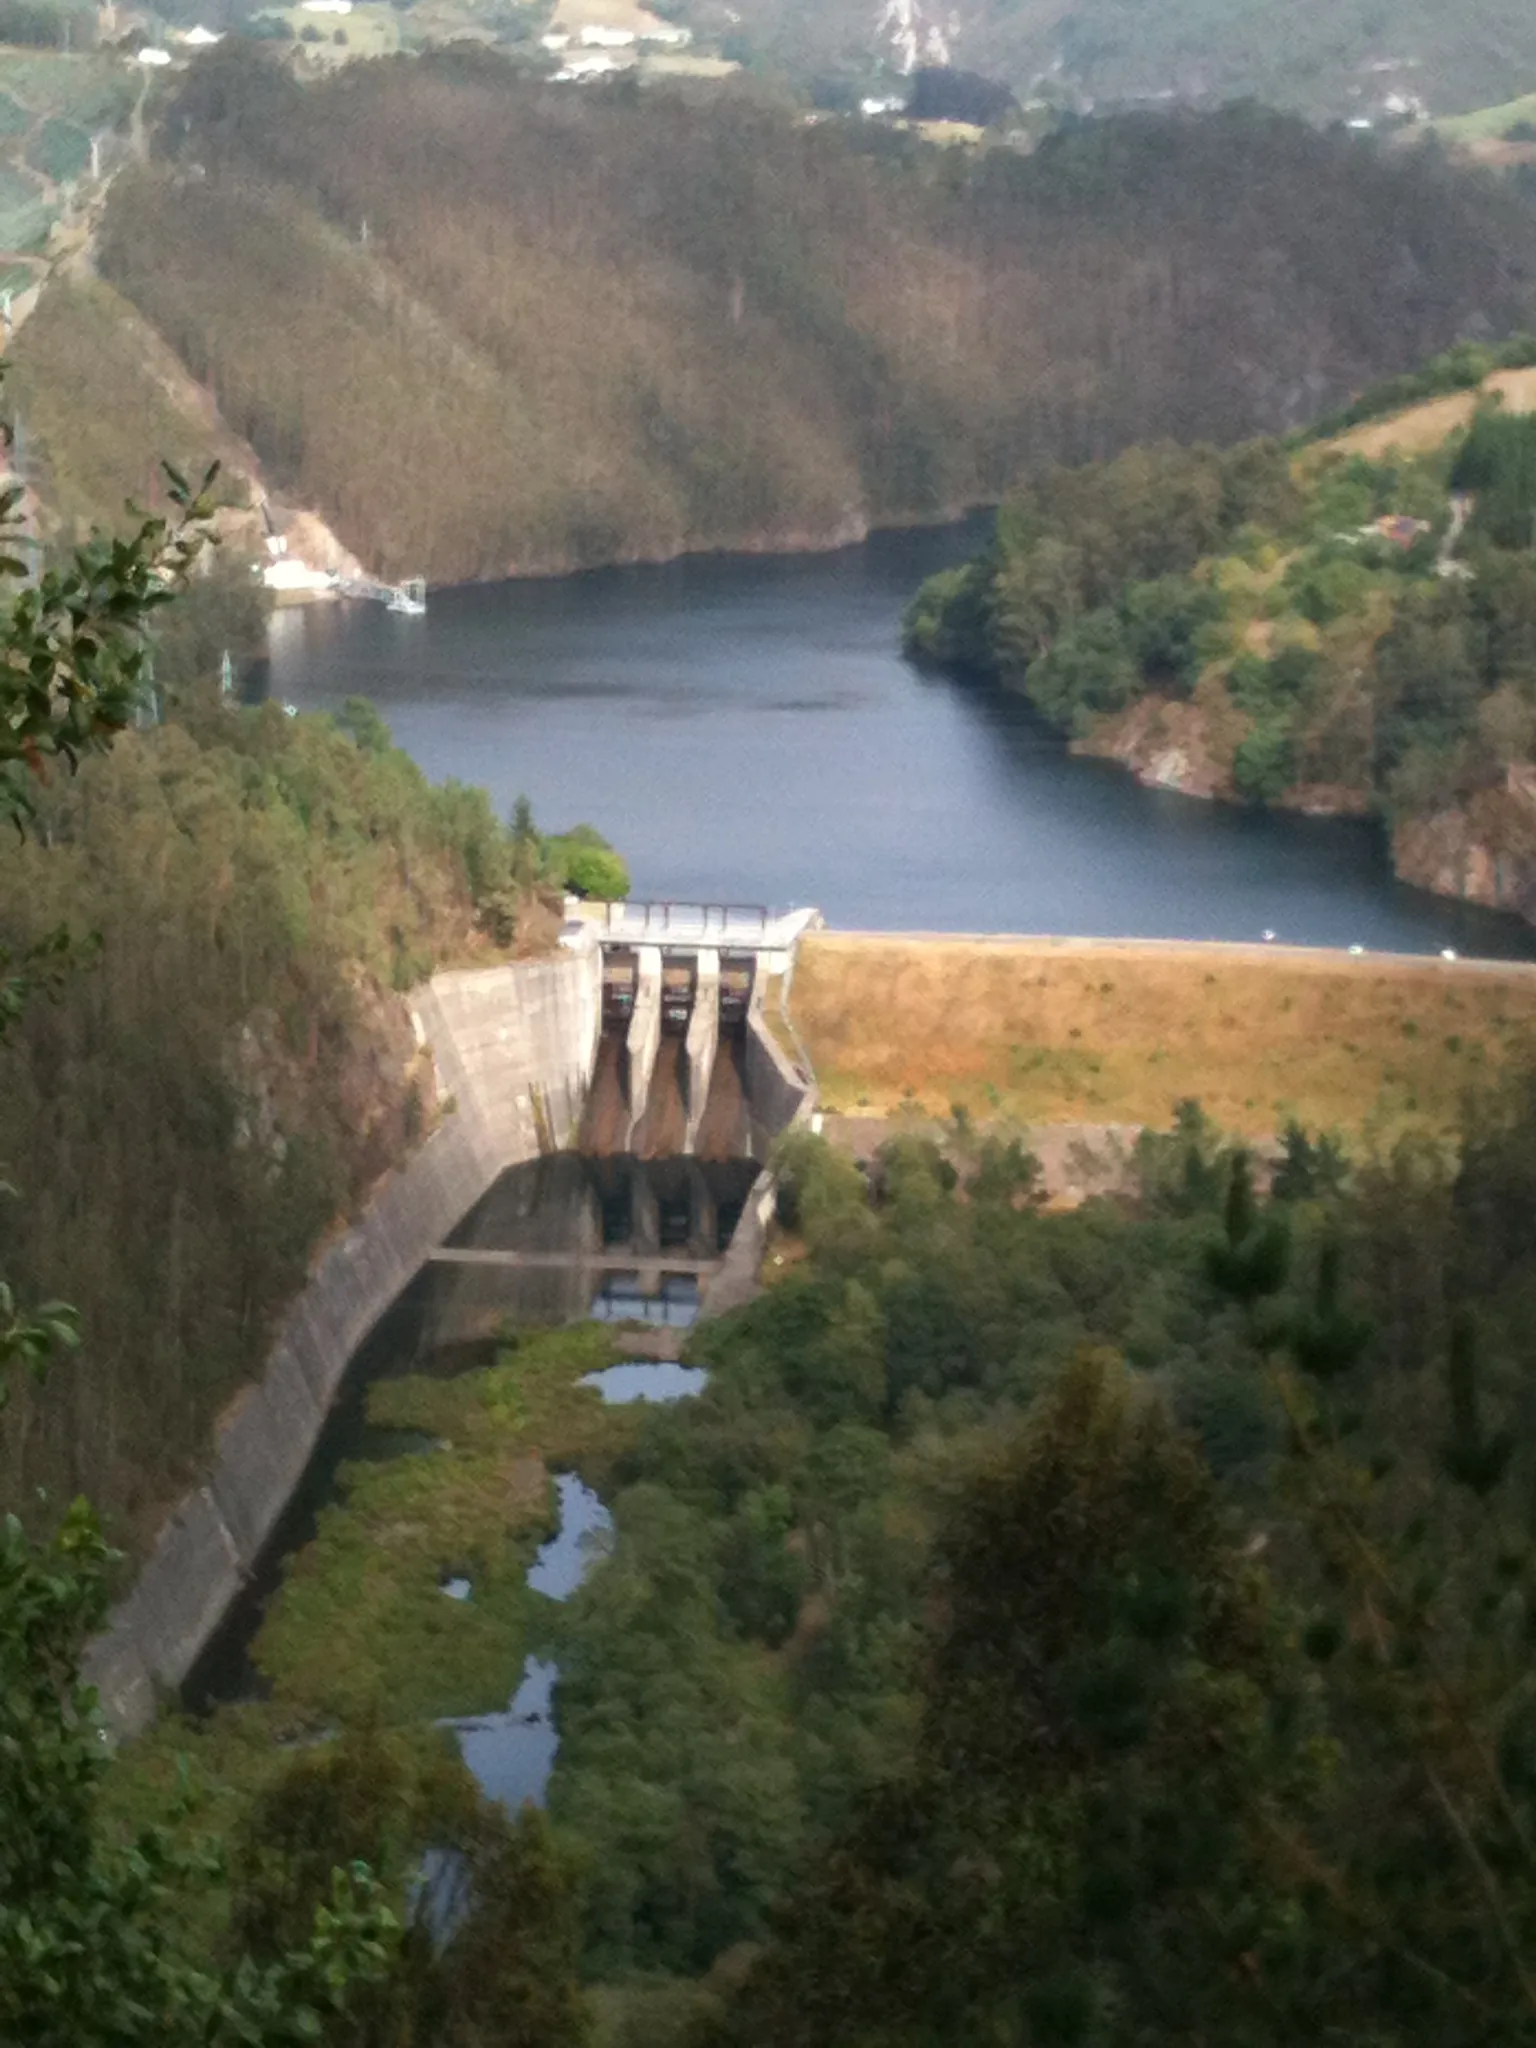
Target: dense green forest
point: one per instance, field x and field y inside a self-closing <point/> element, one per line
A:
<point x="483" y="325"/>
<point x="1332" y="630"/>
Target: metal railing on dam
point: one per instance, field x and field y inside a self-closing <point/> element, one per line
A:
<point x="747" y="927"/>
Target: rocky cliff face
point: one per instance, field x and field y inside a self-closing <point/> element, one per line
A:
<point x="1483" y="852"/>
<point x="1170" y="745"/>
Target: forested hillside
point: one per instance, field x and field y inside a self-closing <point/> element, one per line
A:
<point x="228" y="1068"/>
<point x="1346" y="628"/>
<point x="485" y="326"/>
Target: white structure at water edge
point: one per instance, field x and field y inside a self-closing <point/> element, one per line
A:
<point x="289" y="576"/>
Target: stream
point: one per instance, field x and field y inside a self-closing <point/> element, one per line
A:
<point x="512" y="1753"/>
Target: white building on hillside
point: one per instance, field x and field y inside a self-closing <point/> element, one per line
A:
<point x="596" y="37"/>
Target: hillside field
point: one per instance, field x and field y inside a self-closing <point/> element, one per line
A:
<point x="1119" y="1031"/>
<point x="1421" y="429"/>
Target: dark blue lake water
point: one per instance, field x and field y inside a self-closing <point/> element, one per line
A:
<point x="746" y="729"/>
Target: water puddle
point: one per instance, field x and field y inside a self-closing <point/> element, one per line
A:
<point x="638" y="1380"/>
<point x="564" y="1561"/>
<point x="512" y="1753"/>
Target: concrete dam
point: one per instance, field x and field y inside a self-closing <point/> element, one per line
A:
<point x="670" y="1076"/>
<point x="600" y="1121"/>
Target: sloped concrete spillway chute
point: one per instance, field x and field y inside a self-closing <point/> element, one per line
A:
<point x="684" y="988"/>
<point x="514" y="1048"/>
<point x="702" y="1038"/>
<point x="644" y="1036"/>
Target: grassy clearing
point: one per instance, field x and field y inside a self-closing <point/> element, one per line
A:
<point x="1424" y="428"/>
<point x="1065" y="1031"/>
<point x="369" y="31"/>
<point x="1486" y="122"/>
<point x="59" y="150"/>
<point x="96" y="92"/>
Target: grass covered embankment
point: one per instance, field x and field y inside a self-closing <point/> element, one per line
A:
<point x="1067" y="1030"/>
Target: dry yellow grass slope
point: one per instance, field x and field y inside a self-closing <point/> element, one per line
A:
<point x="1065" y="1030"/>
<point x="1423" y="428"/>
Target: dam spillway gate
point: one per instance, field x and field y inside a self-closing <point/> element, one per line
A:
<point x="679" y="992"/>
<point x="687" y="1093"/>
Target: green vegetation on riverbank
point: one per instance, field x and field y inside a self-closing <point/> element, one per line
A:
<point x="1333" y="630"/>
<point x="485" y="326"/>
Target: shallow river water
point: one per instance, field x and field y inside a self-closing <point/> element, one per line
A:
<point x="745" y="729"/>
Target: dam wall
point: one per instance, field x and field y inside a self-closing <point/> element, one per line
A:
<point x="781" y="1097"/>
<point x="514" y="1048"/>
<point x="780" y="1092"/>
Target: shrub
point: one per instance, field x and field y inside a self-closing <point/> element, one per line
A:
<point x="582" y="861"/>
<point x="1090" y="670"/>
<point x="946" y="623"/>
<point x="1264" y="766"/>
<point x="1269" y="690"/>
<point x="1166" y="622"/>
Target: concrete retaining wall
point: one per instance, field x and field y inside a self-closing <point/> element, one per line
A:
<point x="779" y="1093"/>
<point x="780" y="1097"/>
<point x="514" y="1049"/>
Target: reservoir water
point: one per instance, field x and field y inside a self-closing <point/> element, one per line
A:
<point x="745" y="729"/>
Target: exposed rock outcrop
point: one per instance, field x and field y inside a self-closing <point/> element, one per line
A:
<point x="1483" y="852"/>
